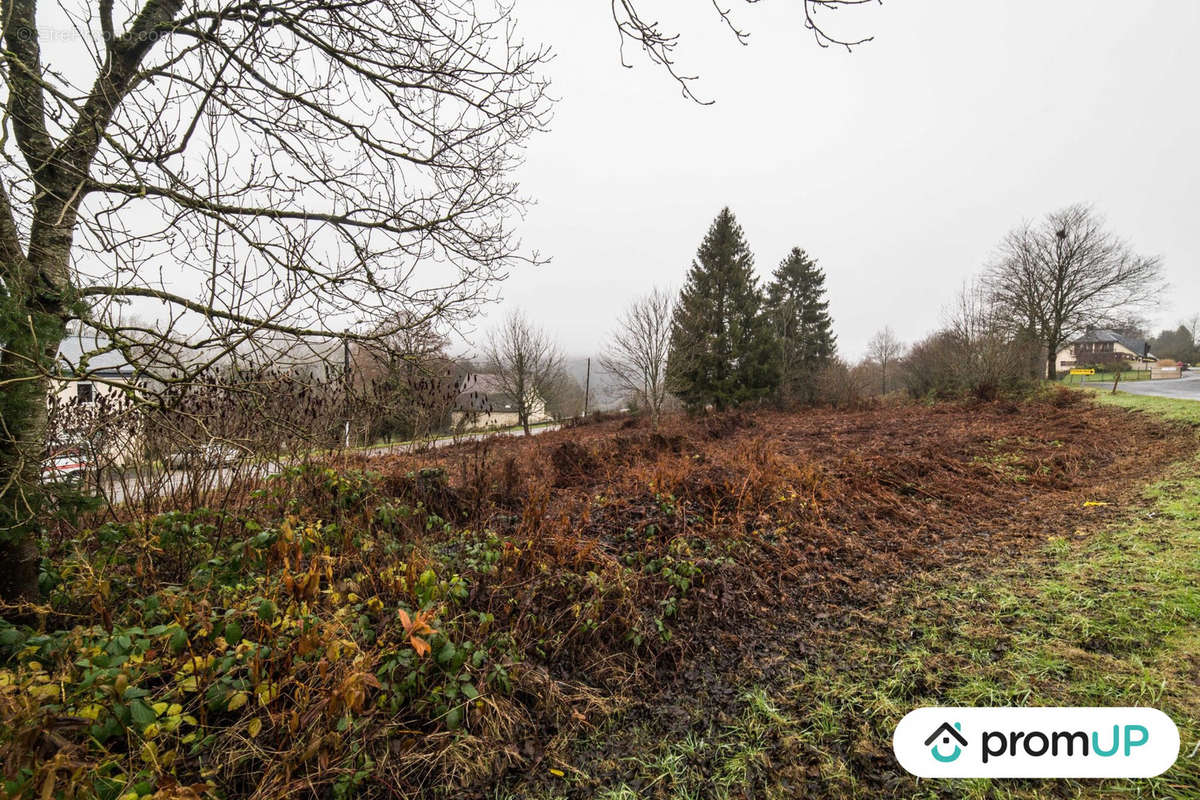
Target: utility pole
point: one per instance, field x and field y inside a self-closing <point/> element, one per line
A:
<point x="587" y="386"/>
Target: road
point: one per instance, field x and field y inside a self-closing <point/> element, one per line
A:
<point x="164" y="483"/>
<point x="446" y="441"/>
<point x="1187" y="388"/>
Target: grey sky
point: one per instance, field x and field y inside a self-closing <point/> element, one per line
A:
<point x="899" y="166"/>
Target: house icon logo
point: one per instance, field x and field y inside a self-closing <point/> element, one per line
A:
<point x="945" y="732"/>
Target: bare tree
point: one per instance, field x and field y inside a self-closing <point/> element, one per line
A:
<point x="563" y="396"/>
<point x="974" y="353"/>
<point x="1066" y="274"/>
<point x="884" y="349"/>
<point x="659" y="45"/>
<point x="526" y="362"/>
<point x="636" y="355"/>
<point x="298" y="167"/>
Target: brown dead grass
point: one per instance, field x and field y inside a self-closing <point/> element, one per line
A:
<point x="824" y="507"/>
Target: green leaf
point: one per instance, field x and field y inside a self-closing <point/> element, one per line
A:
<point x="266" y="611"/>
<point x="142" y="714"/>
<point x="454" y="718"/>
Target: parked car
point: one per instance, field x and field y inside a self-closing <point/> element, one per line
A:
<point x="212" y="454"/>
<point x="65" y="462"/>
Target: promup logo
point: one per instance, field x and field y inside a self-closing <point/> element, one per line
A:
<point x="1036" y="742"/>
<point x="946" y="732"/>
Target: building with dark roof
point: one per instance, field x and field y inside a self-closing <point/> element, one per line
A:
<point x="1099" y="347"/>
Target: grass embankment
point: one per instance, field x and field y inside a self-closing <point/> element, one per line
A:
<point x="1107" y="617"/>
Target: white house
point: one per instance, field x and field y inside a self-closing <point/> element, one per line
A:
<point x="485" y="404"/>
<point x="88" y="367"/>
<point x="1099" y="347"/>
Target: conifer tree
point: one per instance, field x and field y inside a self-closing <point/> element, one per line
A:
<point x="721" y="349"/>
<point x="799" y="317"/>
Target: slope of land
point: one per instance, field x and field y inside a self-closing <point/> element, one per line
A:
<point x="739" y="605"/>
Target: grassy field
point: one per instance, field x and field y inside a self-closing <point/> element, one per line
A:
<point x="735" y="606"/>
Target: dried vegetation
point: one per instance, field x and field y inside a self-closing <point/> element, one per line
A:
<point x="455" y="618"/>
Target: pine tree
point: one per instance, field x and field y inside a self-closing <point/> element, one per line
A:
<point x="799" y="316"/>
<point x="721" y="349"/>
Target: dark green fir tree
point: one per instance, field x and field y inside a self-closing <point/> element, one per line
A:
<point x="803" y="330"/>
<point x="722" y="352"/>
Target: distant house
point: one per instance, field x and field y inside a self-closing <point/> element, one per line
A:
<point x="485" y="404"/>
<point x="88" y="367"/>
<point x="1106" y="347"/>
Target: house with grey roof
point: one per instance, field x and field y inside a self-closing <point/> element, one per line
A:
<point x="1099" y="347"/>
<point x="483" y="403"/>
<point x="89" y="365"/>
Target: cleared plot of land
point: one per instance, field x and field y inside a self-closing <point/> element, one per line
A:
<point x="735" y="606"/>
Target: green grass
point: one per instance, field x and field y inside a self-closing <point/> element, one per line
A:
<point x="1107" y="377"/>
<point x="1170" y="407"/>
<point x="1111" y="618"/>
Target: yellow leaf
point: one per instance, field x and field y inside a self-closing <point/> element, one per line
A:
<point x="267" y="692"/>
<point x="254" y="727"/>
<point x="237" y="701"/>
<point x="159" y="708"/>
<point x="91" y="711"/>
<point x="558" y="773"/>
<point x="151" y="730"/>
<point x="1089" y="503"/>
<point x="44" y="691"/>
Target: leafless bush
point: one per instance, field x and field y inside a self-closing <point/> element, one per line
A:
<point x="839" y="386"/>
<point x="976" y="354"/>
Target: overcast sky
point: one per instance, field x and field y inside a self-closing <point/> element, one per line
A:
<point x="899" y="166"/>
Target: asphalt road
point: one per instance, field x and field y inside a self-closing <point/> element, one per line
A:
<point x="121" y="491"/>
<point x="1187" y="388"/>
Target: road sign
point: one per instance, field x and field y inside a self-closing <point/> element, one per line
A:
<point x="1083" y="372"/>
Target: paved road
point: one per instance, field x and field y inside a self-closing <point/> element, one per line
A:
<point x="1187" y="388"/>
<point x="164" y="483"/>
<point x="446" y="441"/>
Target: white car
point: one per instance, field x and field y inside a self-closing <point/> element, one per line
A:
<point x="65" y="463"/>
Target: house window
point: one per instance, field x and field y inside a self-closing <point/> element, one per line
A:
<point x="84" y="392"/>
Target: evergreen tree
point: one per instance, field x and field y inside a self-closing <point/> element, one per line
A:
<point x="799" y="316"/>
<point x="721" y="349"/>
